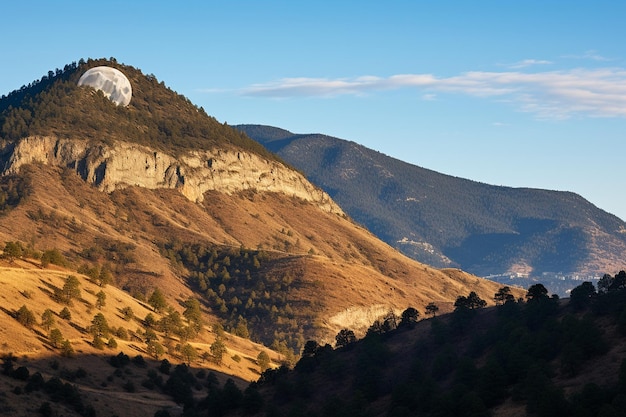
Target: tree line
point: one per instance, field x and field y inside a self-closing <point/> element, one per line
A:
<point x="471" y="361"/>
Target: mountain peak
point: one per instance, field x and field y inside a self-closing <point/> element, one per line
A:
<point x="157" y="116"/>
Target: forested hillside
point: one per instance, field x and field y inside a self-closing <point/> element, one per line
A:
<point x="538" y="356"/>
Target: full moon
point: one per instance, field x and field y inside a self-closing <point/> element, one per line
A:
<point x="112" y="82"/>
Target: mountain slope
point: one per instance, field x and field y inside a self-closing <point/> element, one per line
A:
<point x="541" y="357"/>
<point x="448" y="221"/>
<point x="166" y="197"/>
<point x="100" y="384"/>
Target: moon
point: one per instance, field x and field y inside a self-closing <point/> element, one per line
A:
<point x="112" y="82"/>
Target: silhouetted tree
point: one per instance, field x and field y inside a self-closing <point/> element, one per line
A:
<point x="432" y="309"/>
<point x="310" y="348"/>
<point x="619" y="281"/>
<point x="410" y="316"/>
<point x="604" y="283"/>
<point x="390" y="321"/>
<point x="503" y="295"/>
<point x="344" y="338"/>
<point x="471" y="302"/>
<point x="537" y="292"/>
<point x="581" y="296"/>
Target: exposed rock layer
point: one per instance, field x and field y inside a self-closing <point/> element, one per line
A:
<point x="195" y="172"/>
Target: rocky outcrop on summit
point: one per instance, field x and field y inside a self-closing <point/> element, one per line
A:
<point x="111" y="167"/>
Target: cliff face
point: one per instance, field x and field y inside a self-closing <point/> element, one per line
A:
<point x="111" y="167"/>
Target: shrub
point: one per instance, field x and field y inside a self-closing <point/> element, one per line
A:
<point x="112" y="344"/>
<point x="22" y="373"/>
<point x="129" y="386"/>
<point x="53" y="256"/>
<point x="98" y="343"/>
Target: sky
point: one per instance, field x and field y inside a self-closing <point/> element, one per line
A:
<point x="520" y="94"/>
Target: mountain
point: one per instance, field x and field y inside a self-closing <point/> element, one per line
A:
<point x="162" y="196"/>
<point x="447" y="221"/>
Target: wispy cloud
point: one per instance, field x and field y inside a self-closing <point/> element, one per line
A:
<point x="589" y="55"/>
<point x="528" y="63"/>
<point x="551" y="94"/>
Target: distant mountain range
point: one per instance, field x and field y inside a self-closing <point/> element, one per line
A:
<point x="447" y="221"/>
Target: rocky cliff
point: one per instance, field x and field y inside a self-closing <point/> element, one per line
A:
<point x="110" y="167"/>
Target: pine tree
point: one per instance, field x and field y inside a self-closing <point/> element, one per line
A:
<point x="100" y="299"/>
<point x="99" y="326"/>
<point x="65" y="314"/>
<point x="66" y="349"/>
<point x="189" y="353"/>
<point x="218" y="349"/>
<point x="55" y="337"/>
<point x="263" y="359"/>
<point x="47" y="319"/>
<point x="71" y="289"/>
<point x="25" y="317"/>
<point x="157" y="300"/>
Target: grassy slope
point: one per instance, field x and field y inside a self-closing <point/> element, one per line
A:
<point x="25" y="283"/>
<point x="350" y="267"/>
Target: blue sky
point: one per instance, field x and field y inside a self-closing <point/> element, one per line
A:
<point x="522" y="94"/>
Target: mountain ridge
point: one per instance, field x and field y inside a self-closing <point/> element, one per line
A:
<point x="449" y="221"/>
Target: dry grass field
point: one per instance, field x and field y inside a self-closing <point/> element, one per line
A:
<point x="24" y="283"/>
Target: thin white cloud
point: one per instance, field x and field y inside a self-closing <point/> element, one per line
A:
<point x="528" y="63"/>
<point x="552" y="94"/>
<point x="589" y="55"/>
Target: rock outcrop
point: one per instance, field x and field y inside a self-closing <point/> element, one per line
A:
<point x="111" y="167"/>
